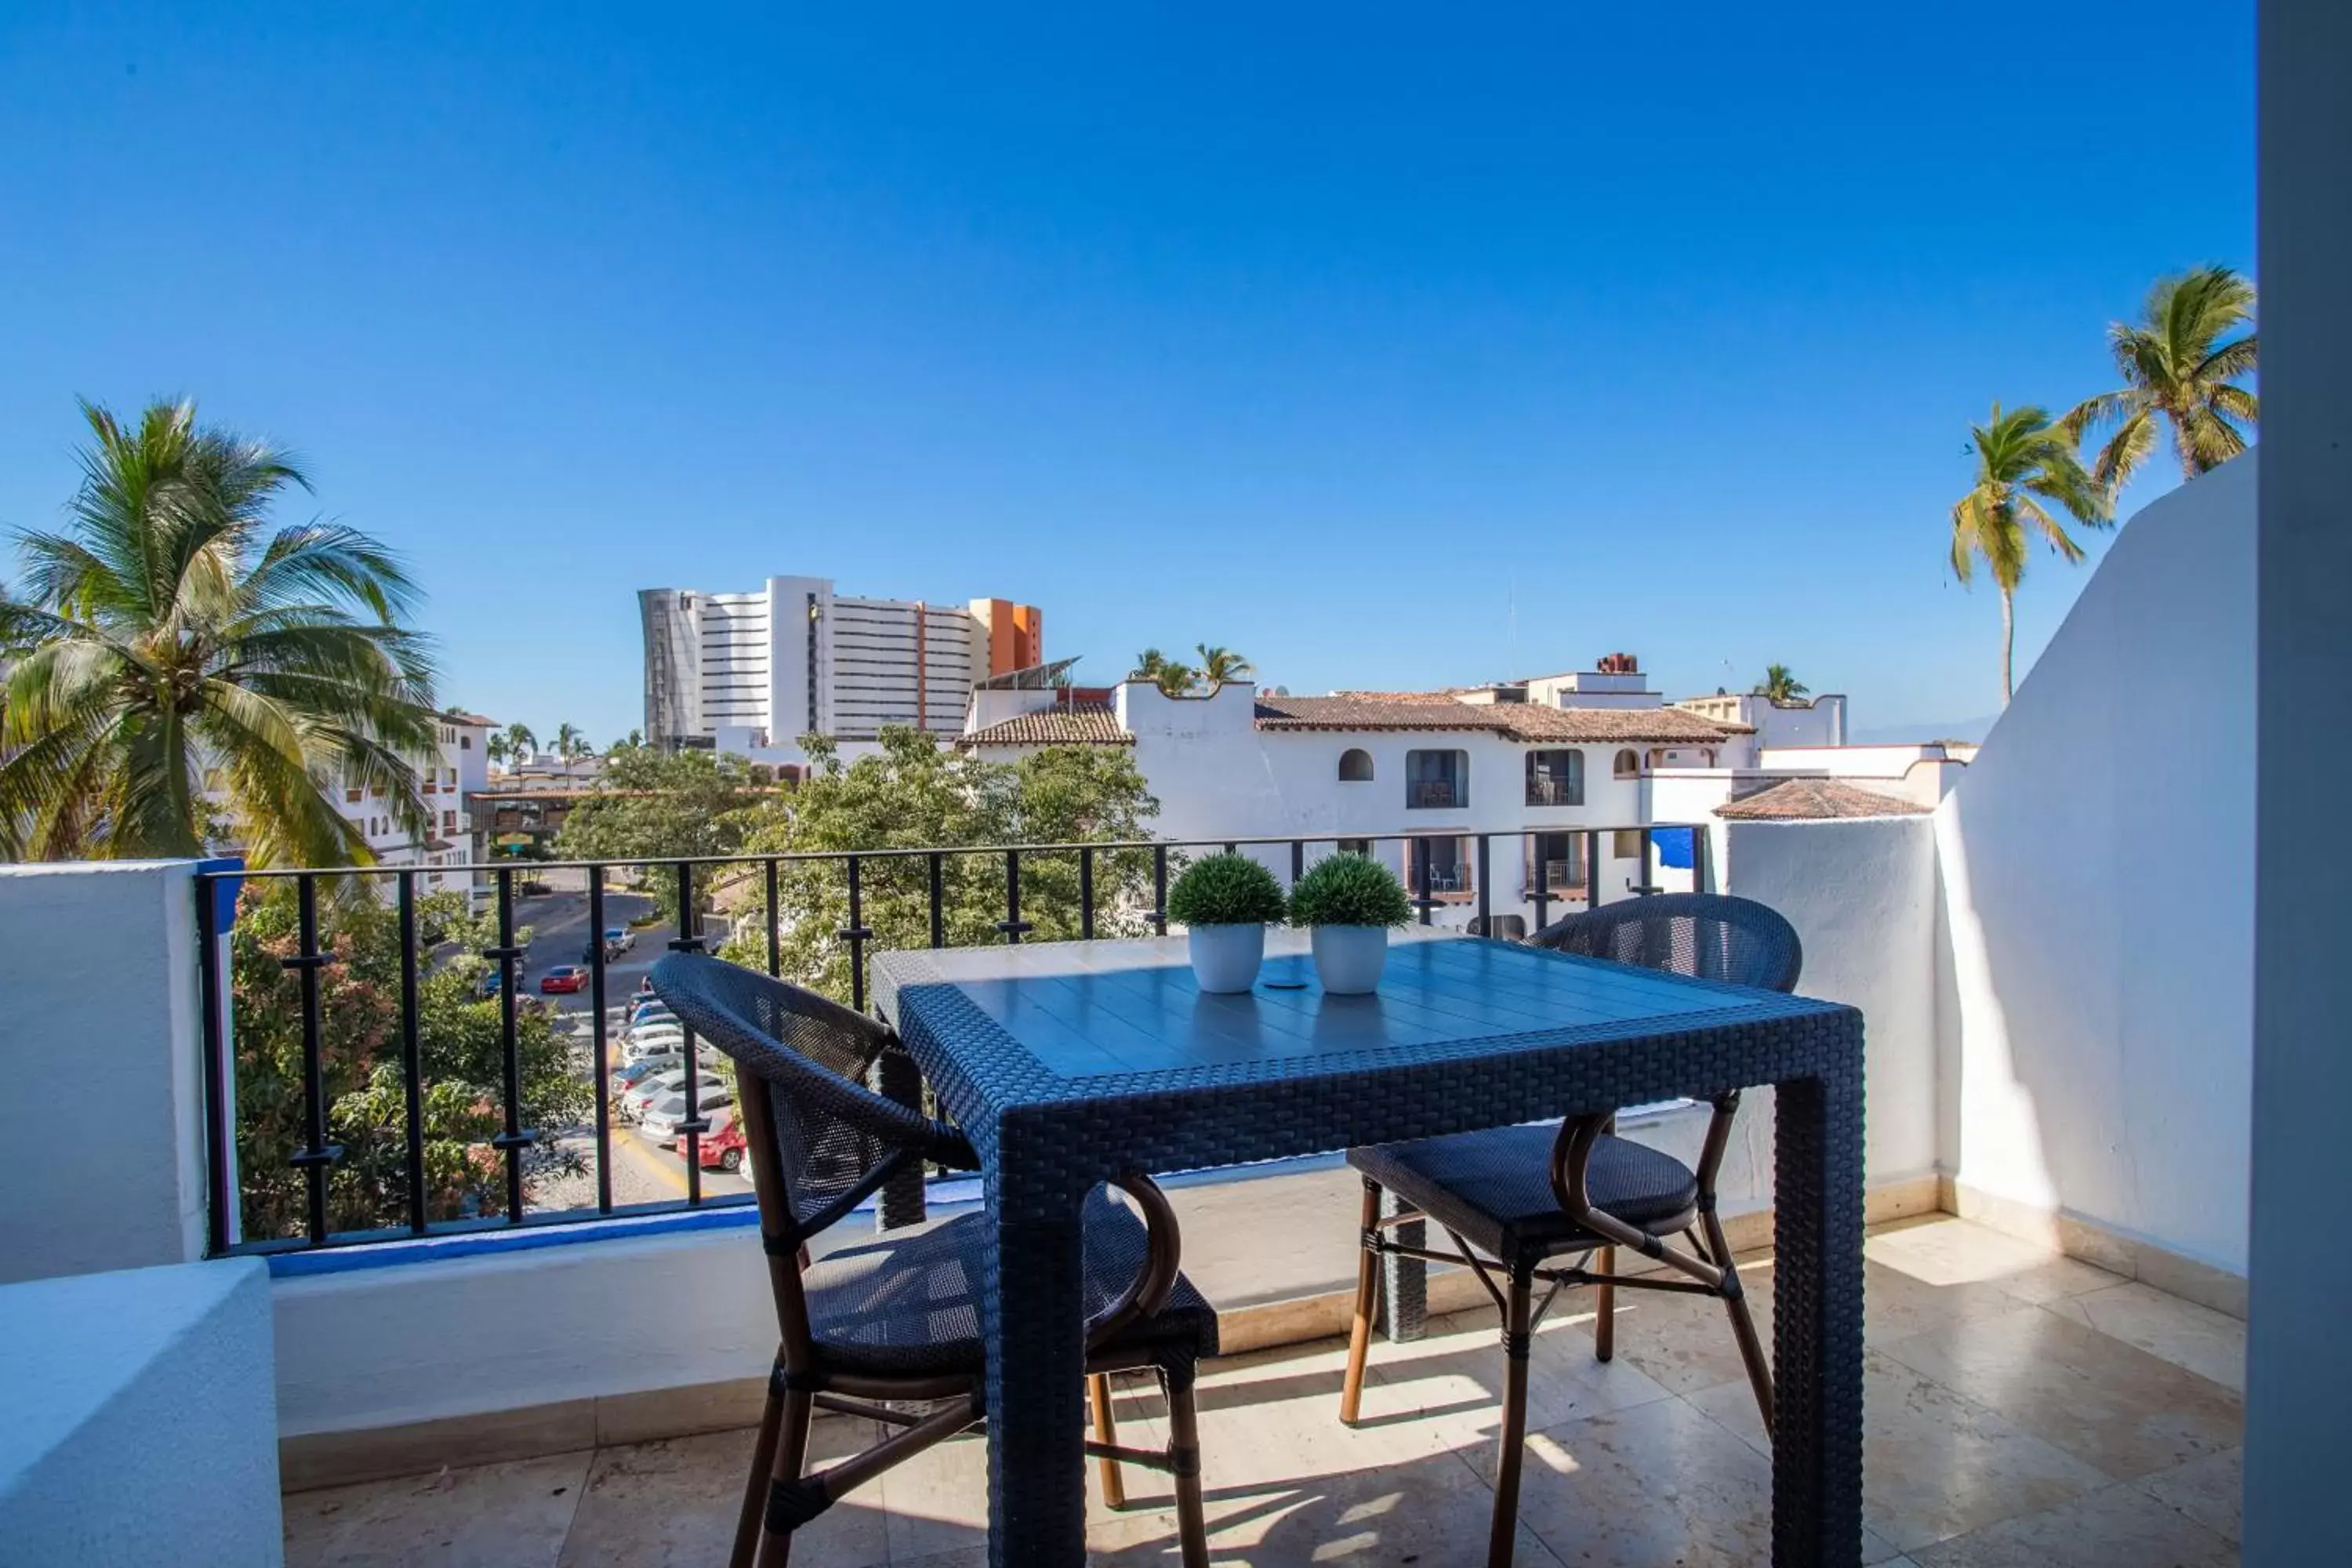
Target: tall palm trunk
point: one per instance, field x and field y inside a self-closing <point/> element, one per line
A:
<point x="2008" y="644"/>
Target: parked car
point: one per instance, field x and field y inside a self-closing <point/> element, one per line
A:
<point x="723" y="1147"/>
<point x="653" y="1042"/>
<point x="711" y="1087"/>
<point x="643" y="1017"/>
<point x="628" y="1075"/>
<point x="620" y="939"/>
<point x="564" y="978"/>
<point x="488" y="986"/>
<point x="661" y="1119"/>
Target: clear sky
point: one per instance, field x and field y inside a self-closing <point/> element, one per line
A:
<point x="1392" y="346"/>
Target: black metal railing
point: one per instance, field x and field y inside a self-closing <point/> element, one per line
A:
<point x="507" y="1149"/>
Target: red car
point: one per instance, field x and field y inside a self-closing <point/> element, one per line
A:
<point x="723" y="1147"/>
<point x="565" y="977"/>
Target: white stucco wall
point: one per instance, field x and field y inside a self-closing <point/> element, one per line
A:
<point x="100" y="1007"/>
<point x="416" y="1341"/>
<point x="141" y="1427"/>
<point x="2099" y="889"/>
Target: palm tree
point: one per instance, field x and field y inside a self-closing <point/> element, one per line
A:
<point x="183" y="675"/>
<point x="1173" y="679"/>
<point x="1219" y="665"/>
<point x="1149" y="663"/>
<point x="520" y="744"/>
<point x="497" y="749"/>
<point x="2022" y="459"/>
<point x="570" y="743"/>
<point x="1781" y="685"/>
<point x="2176" y="366"/>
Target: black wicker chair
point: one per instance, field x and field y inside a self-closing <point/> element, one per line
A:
<point x="1514" y="1197"/>
<point x="897" y="1319"/>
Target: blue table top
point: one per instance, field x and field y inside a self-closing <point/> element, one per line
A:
<point x="1088" y="1010"/>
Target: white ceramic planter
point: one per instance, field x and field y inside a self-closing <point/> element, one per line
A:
<point x="1349" y="958"/>
<point x="1225" y="958"/>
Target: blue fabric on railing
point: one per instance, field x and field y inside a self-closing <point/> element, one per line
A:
<point x="1673" y="846"/>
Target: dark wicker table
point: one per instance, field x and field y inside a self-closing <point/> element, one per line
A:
<point x="1066" y="1063"/>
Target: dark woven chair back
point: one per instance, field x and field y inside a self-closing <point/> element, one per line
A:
<point x="1712" y="936"/>
<point x="832" y="1140"/>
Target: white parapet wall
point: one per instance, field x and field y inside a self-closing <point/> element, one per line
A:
<point x="2098" y="886"/>
<point x="101" y="1000"/>
<point x="141" y="1424"/>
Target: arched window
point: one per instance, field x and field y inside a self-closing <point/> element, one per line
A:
<point x="1629" y="764"/>
<point x="1355" y="765"/>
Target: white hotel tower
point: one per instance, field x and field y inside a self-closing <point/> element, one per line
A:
<point x="751" y="673"/>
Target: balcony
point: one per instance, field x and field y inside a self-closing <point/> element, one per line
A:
<point x="1553" y="792"/>
<point x="2056" y="1184"/>
<point x="1427" y="794"/>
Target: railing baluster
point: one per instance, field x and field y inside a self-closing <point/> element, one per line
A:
<point x="317" y="1154"/>
<point x="690" y="1130"/>
<point x="1420" y="872"/>
<point x="1593" y="868"/>
<point x="412" y="1065"/>
<point x="775" y="936"/>
<point x="1087" y="894"/>
<point x="604" y="1071"/>
<point x="855" y="934"/>
<point x="1160" y="888"/>
<point x="1486" y="907"/>
<point x="938" y="899"/>
<point x="1013" y="925"/>
<point x="1543" y="882"/>
<point x="1698" y="859"/>
<point x="1297" y="860"/>
<point x="217" y="1133"/>
<point x="514" y="1139"/>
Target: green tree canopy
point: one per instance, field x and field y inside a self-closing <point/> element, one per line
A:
<point x="916" y="795"/>
<point x="1780" y="684"/>
<point x="2180" y="367"/>
<point x="180" y="674"/>
<point x="2022" y="459"/>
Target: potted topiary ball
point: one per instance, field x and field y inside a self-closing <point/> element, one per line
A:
<point x="1225" y="903"/>
<point x="1351" y="900"/>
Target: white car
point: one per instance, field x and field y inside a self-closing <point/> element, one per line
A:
<point x="653" y="1042"/>
<point x="668" y="1084"/>
<point x="652" y="1019"/>
<point x="659" y="1121"/>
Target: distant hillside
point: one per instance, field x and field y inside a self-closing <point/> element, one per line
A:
<point x="1912" y="734"/>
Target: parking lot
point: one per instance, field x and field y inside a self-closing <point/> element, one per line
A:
<point x="642" y="1171"/>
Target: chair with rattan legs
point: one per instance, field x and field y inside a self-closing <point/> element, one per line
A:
<point x="865" y="1329"/>
<point x="1517" y="1201"/>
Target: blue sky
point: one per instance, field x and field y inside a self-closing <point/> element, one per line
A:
<point x="1334" y="334"/>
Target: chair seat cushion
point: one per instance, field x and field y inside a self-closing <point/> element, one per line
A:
<point x="907" y="1303"/>
<point x="1494" y="1187"/>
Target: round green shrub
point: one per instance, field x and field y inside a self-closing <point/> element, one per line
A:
<point x="1348" y="891"/>
<point x="1225" y="890"/>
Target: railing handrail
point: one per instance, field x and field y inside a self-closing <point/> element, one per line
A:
<point x="758" y="857"/>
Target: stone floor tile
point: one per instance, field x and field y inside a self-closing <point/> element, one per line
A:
<point x="1685" y="1342"/>
<point x="1452" y="1380"/>
<point x="674" y="1503"/>
<point x="2210" y="1344"/>
<point x="1934" y="1464"/>
<point x="1430" y="1510"/>
<point x="1655" y="1486"/>
<point x="511" y="1515"/>
<point x="2119" y="1527"/>
<point x="937" y="1503"/>
<point x="1946" y="1250"/>
<point x="2206" y="1489"/>
<point x="1896" y="1304"/>
<point x="2102" y="1400"/>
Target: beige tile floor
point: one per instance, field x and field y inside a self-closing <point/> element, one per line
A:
<point x="2021" y="1409"/>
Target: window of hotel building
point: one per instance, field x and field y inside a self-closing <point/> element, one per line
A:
<point x="1355" y="765"/>
<point x="448" y="822"/>
<point x="1561" y="855"/>
<point x="1629" y="764"/>
<point x="1556" y="778"/>
<point x="1436" y="779"/>
<point x="465" y="742"/>
<point x="1448" y="860"/>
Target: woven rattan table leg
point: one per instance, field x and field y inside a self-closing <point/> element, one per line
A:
<point x="1034" y="1319"/>
<point x="1817" y="1316"/>
<point x="1404" y="1281"/>
<point x="900" y="1201"/>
